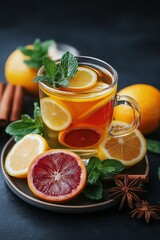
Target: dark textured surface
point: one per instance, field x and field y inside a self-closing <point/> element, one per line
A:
<point x="127" y="36"/>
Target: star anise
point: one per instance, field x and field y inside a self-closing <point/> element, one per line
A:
<point x="143" y="209"/>
<point x="126" y="191"/>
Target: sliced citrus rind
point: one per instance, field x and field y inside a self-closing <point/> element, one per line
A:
<point x="55" y="114"/>
<point x="80" y="137"/>
<point x="94" y="108"/>
<point x="129" y="150"/>
<point x="57" y="176"/>
<point x="99" y="86"/>
<point x="23" y="152"/>
<point x="86" y="96"/>
<point x="84" y="79"/>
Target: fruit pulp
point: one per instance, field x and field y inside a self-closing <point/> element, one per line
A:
<point x="91" y="112"/>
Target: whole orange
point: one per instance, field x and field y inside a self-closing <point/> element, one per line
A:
<point x="18" y="73"/>
<point x="148" y="98"/>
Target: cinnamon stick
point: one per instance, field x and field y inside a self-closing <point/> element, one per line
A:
<point x="17" y="104"/>
<point x="2" y="87"/>
<point x="143" y="177"/>
<point x="6" y="104"/>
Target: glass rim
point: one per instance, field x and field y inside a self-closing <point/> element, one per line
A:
<point x="97" y="60"/>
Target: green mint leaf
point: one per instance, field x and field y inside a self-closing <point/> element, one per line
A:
<point x="34" y="63"/>
<point x="63" y="82"/>
<point x="26" y="118"/>
<point x="159" y="173"/>
<point x="37" y="110"/>
<point x="26" y="125"/>
<point x="93" y="169"/>
<point x="69" y="65"/>
<point x="93" y="192"/>
<point x="43" y="78"/>
<point x="50" y="67"/>
<point x="38" y="118"/>
<point x="26" y="51"/>
<point x="36" y="52"/>
<point x="17" y="138"/>
<point x="93" y="176"/>
<point x="20" y="127"/>
<point x="153" y="146"/>
<point x="94" y="163"/>
<point x="58" y="75"/>
<point x="111" y="168"/>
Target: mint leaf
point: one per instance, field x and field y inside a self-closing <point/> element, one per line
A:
<point x="21" y="127"/>
<point x="93" y="176"/>
<point x="99" y="171"/>
<point x="26" y="125"/>
<point x="93" y="192"/>
<point x="42" y="79"/>
<point x="36" y="52"/>
<point x="111" y="168"/>
<point x="33" y="63"/>
<point x="37" y="110"/>
<point x="50" y="67"/>
<point x="69" y="65"/>
<point x="26" y="51"/>
<point x="94" y="162"/>
<point x="58" y="75"/>
<point x="153" y="146"/>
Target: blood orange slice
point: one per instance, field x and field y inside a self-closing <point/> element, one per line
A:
<point x="57" y="176"/>
<point x="80" y="137"/>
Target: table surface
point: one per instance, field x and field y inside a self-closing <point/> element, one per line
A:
<point x="127" y="36"/>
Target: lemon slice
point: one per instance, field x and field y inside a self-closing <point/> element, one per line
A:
<point x="84" y="79"/>
<point x="129" y="149"/>
<point x="99" y="86"/>
<point x="23" y="152"/>
<point x="55" y="114"/>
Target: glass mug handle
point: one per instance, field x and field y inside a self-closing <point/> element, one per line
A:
<point x="126" y="130"/>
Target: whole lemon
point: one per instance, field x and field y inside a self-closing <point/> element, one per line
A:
<point x="148" y="98"/>
<point x="18" y="73"/>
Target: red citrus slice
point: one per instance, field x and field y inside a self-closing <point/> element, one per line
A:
<point x="80" y="137"/>
<point x="57" y="176"/>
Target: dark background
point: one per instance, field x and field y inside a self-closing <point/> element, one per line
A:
<point x="125" y="34"/>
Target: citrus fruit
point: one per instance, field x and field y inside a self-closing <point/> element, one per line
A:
<point x="129" y="149"/>
<point x="148" y="98"/>
<point x="55" y="114"/>
<point x="84" y="79"/>
<point x="99" y="86"/>
<point x="80" y="137"/>
<point x="99" y="112"/>
<point x="18" y="73"/>
<point x="57" y="176"/>
<point x="23" y="152"/>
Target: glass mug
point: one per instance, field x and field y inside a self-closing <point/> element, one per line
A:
<point x="79" y="121"/>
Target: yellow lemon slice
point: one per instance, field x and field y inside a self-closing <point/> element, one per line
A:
<point x="55" y="114"/>
<point x="23" y="153"/>
<point x="84" y="79"/>
<point x="107" y="96"/>
<point x="128" y="149"/>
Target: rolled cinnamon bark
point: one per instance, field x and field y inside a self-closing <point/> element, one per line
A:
<point x="2" y="87"/>
<point x="17" y="104"/>
<point x="6" y="104"/>
<point x="143" y="177"/>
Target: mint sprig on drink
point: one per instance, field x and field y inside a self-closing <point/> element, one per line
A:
<point x="36" y="52"/>
<point x="98" y="171"/>
<point x="58" y="75"/>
